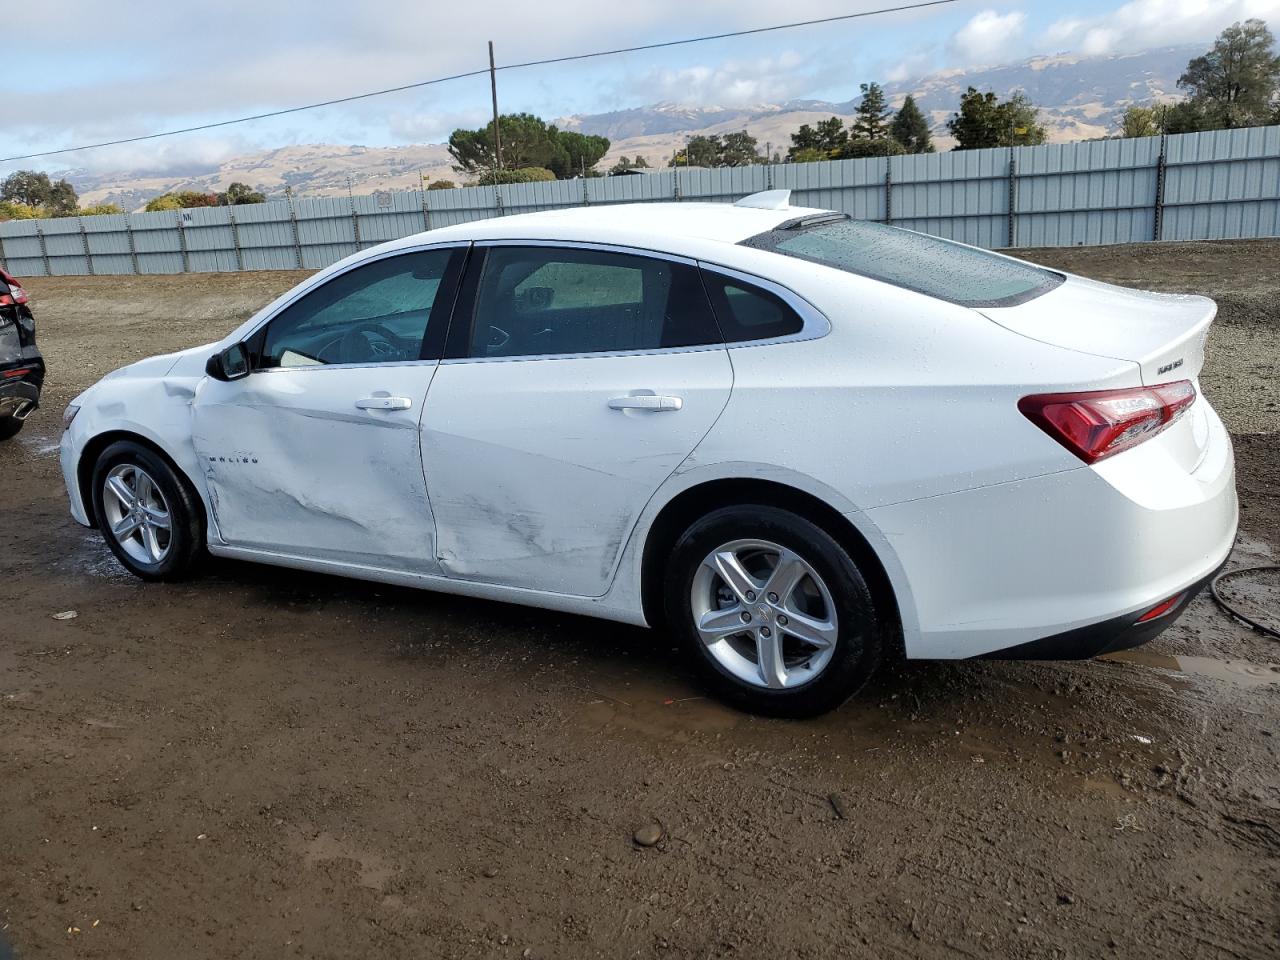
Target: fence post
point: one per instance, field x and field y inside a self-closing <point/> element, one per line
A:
<point x="355" y="222"/>
<point x="888" y="192"/>
<point x="84" y="242"/>
<point x="586" y="201"/>
<point x="497" y="199"/>
<point x="426" y="211"/>
<point x="1157" y="230"/>
<point x="3" y="261"/>
<point x="235" y="239"/>
<point x="44" y="251"/>
<point x="182" y="242"/>
<point x="133" y="250"/>
<point x="676" y="176"/>
<point x="293" y="225"/>
<point x="1012" y="226"/>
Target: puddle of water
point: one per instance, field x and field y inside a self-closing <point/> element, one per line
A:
<point x="1241" y="672"/>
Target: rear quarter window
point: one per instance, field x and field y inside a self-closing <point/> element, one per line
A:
<point x="745" y="312"/>
<point x="914" y="261"/>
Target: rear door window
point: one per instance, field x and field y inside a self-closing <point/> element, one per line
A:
<point x="914" y="261"/>
<point x="547" y="301"/>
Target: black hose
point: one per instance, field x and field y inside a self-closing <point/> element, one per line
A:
<point x="1232" y="611"/>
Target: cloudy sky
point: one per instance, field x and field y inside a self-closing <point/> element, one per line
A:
<point x="161" y="64"/>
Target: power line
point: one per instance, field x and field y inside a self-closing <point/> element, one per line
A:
<point x="476" y="73"/>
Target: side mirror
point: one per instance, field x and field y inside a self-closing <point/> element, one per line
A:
<point x="231" y="364"/>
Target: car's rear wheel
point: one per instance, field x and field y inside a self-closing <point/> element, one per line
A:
<point x="147" y="512"/>
<point x="9" y="427"/>
<point x="773" y="612"/>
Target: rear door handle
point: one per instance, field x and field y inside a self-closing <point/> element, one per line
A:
<point x="384" y="403"/>
<point x="646" y="401"/>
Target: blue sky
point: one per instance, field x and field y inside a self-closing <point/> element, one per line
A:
<point x="159" y="64"/>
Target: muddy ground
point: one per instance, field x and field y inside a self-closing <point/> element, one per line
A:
<point x="260" y="763"/>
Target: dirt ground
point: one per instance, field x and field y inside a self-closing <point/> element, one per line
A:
<point x="261" y="763"/>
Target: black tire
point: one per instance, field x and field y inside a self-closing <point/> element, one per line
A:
<point x="9" y="427"/>
<point x="860" y="633"/>
<point x="187" y="528"/>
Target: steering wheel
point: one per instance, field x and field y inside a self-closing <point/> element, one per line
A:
<point x="369" y="342"/>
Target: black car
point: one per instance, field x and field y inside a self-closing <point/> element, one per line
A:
<point x="21" y="366"/>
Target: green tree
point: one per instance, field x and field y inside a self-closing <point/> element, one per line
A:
<point x="98" y="210"/>
<point x="577" y="153"/>
<point x="527" y="141"/>
<point x="821" y="142"/>
<point x="739" y="150"/>
<point x="441" y="185"/>
<point x="181" y="200"/>
<point x="1140" y="122"/>
<point x="910" y="128"/>
<point x="732" y="150"/>
<point x="871" y="118"/>
<point x="520" y="175"/>
<point x="1235" y="83"/>
<point x="640" y="163"/>
<point x="622" y="166"/>
<point x="1186" y="116"/>
<point x="17" y="211"/>
<point x="983" y="121"/>
<point x="34" y="189"/>
<point x="858" y="147"/>
<point x="238" y="193"/>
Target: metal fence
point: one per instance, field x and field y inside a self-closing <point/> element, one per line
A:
<point x="1199" y="186"/>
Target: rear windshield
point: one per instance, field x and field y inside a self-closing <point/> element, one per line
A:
<point x="914" y="261"/>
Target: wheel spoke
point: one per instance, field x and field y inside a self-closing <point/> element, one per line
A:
<point x="786" y="576"/>
<point x="142" y="487"/>
<point x="715" y="625"/>
<point x="157" y="518"/>
<point x="816" y="633"/>
<point x="120" y="490"/>
<point x="126" y="527"/>
<point x="151" y="541"/>
<point x="735" y="575"/>
<point x="769" y="659"/>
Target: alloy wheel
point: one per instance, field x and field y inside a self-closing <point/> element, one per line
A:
<point x="137" y="514"/>
<point x="764" y="614"/>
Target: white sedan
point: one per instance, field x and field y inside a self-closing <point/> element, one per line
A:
<point x="800" y="443"/>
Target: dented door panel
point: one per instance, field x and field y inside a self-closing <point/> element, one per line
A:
<point x="536" y="481"/>
<point x="295" y="466"/>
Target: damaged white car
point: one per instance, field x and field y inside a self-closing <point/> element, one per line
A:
<point x="798" y="442"/>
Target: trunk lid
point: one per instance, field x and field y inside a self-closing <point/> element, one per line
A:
<point x="1163" y="333"/>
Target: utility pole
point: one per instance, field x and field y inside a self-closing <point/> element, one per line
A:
<point x="493" y="88"/>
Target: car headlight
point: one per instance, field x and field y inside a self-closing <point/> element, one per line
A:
<point x="69" y="414"/>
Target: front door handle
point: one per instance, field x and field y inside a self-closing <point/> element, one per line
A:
<point x="384" y="403"/>
<point x="646" y="401"/>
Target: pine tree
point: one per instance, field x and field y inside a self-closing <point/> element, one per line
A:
<point x="910" y="129"/>
<point x="871" y="119"/>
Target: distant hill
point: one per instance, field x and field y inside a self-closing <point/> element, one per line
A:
<point x="1079" y="98"/>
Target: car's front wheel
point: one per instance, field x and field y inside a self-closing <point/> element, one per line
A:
<point x="148" y="513"/>
<point x="773" y="612"/>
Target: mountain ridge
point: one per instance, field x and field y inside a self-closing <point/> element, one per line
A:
<point x="1079" y="98"/>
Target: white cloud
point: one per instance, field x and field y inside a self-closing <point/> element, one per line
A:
<point x="989" y="37"/>
<point x="734" y="83"/>
<point x="1141" y="24"/>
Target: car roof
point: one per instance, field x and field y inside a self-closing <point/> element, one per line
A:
<point x="675" y="227"/>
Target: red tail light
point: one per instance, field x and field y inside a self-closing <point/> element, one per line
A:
<point x="11" y="291"/>
<point x="1102" y="423"/>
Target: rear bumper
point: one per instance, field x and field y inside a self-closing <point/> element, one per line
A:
<point x="18" y="397"/>
<point x="1118" y="633"/>
<point x="1062" y="565"/>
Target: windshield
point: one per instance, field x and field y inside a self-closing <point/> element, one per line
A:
<point x="914" y="261"/>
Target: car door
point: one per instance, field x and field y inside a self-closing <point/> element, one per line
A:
<point x="577" y="378"/>
<point x="316" y="453"/>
